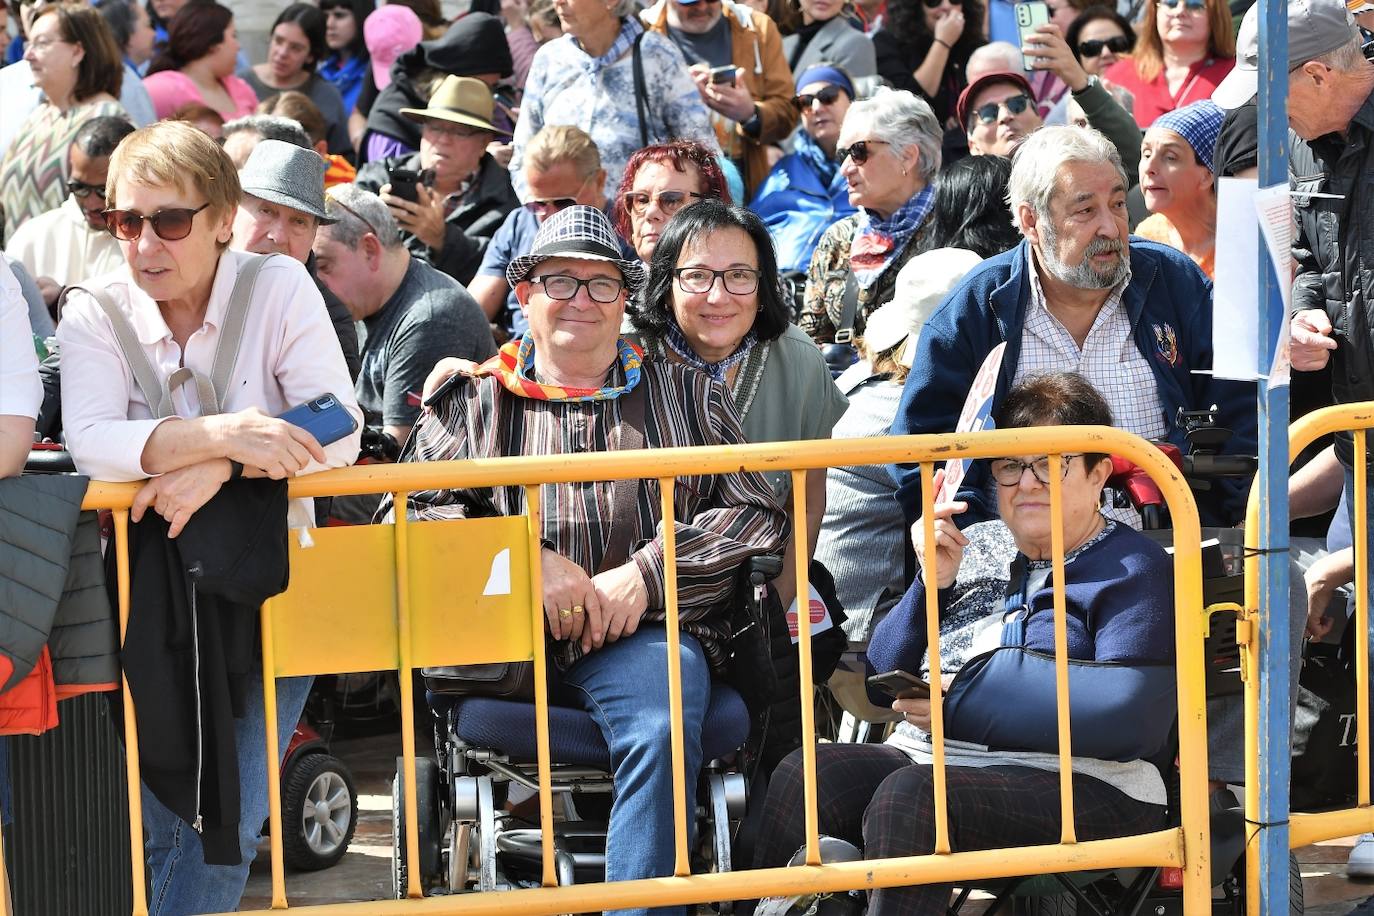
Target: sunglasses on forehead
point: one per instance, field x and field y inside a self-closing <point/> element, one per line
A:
<point x="1015" y="105"/>
<point x="826" y="96"/>
<point x="1117" y="44"/>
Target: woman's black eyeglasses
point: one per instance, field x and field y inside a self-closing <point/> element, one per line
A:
<point x="170" y="225"/>
<point x="1117" y="44"/>
<point x="1008" y="471"/>
<point x="826" y="96"/>
<point x="81" y="190"/>
<point x="563" y="287"/>
<point x="1014" y="105"/>
<point x="740" y="281"/>
<point x="858" y="151"/>
<point x="668" y="201"/>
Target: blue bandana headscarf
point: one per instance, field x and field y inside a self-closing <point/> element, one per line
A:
<point x="877" y="241"/>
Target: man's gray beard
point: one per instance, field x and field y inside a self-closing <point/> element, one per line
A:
<point x="1084" y="276"/>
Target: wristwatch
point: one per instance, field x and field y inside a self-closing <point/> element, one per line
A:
<point x="1092" y="81"/>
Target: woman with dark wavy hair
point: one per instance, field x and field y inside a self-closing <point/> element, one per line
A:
<point x="925" y="49"/>
<point x="714" y="302"/>
<point x="970" y="208"/>
<point x="197" y="64"/>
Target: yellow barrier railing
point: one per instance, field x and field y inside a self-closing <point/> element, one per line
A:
<point x="412" y="613"/>
<point x="1307" y="828"/>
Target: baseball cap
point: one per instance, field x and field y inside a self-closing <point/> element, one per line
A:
<point x="1315" y="27"/>
<point x="997" y="76"/>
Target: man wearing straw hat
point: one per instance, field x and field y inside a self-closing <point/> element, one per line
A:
<point x="462" y="194"/>
<point x="573" y="384"/>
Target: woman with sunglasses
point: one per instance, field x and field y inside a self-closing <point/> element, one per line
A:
<point x="924" y="48"/>
<point x="346" y="65"/>
<point x="889" y="150"/>
<point x="1099" y="37"/>
<point x="659" y="181"/>
<point x="805" y="194"/>
<point x="714" y="303"/>
<point x="1184" y="50"/>
<point x="77" y="65"/>
<point x="173" y="193"/>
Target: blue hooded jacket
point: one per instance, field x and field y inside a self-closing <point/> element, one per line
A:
<point x="803" y="196"/>
<point x="1169" y="303"/>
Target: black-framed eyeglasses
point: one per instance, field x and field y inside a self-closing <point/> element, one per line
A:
<point x="171" y="225"/>
<point x="826" y="96"/>
<point x="858" y="151"/>
<point x="1192" y="6"/>
<point x="563" y="287"/>
<point x="740" y="281"/>
<point x="81" y="190"/>
<point x="1015" y="105"/>
<point x="1008" y="471"/>
<point x="546" y="205"/>
<point x="1117" y="44"/>
<point x="637" y="202"/>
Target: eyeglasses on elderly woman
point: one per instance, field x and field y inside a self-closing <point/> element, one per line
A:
<point x="171" y="225"/>
<point x="668" y="201"/>
<point x="741" y="281"/>
<point x="1009" y="471"/>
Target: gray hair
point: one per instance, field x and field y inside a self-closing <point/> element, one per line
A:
<point x="902" y="120"/>
<point x="1348" y="58"/>
<point x="270" y="127"/>
<point x="1035" y="165"/>
<point x="359" y="212"/>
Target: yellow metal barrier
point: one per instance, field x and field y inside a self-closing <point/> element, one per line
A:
<point x="1307" y="828"/>
<point x="346" y="611"/>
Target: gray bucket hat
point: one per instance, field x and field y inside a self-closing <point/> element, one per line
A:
<point x="286" y="174"/>
<point x="579" y="232"/>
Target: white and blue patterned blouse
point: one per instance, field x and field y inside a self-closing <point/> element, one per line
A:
<point x="566" y="85"/>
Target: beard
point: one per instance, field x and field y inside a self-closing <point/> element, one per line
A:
<point x="1084" y="275"/>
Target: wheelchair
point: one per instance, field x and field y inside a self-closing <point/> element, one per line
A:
<point x="470" y="840"/>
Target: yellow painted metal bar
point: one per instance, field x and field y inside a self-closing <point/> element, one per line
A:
<point x="1162" y="848"/>
<point x="800" y="539"/>
<point x="1304" y="828"/>
<point x="682" y="865"/>
<point x="1067" y="832"/>
<point x="937" y="687"/>
<point x="404" y="675"/>
<point x="543" y="756"/>
<point x="1361" y="535"/>
<point x="135" y="779"/>
<point x="269" y="705"/>
<point x="1249" y="652"/>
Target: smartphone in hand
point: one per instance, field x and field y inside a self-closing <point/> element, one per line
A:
<point x="725" y="75"/>
<point x="900" y="685"/>
<point x="1030" y="15"/>
<point x="323" y="417"/>
<point x="405" y="184"/>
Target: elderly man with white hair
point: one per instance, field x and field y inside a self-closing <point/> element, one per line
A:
<point x="1079" y="295"/>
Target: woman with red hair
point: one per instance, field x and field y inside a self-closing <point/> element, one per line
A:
<point x="660" y="180"/>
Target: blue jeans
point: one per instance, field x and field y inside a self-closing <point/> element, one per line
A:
<point x="624" y="686"/>
<point x="181" y="881"/>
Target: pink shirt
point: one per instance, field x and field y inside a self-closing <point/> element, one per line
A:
<point x="170" y="89"/>
<point x="289" y="354"/>
<point x="1153" y="99"/>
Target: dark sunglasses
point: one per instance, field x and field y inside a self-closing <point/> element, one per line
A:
<point x="826" y="96"/>
<point x="1118" y="44"/>
<point x="1193" y="5"/>
<point x="170" y="225"/>
<point x="859" y="151"/>
<point x="549" y="204"/>
<point x="81" y="190"/>
<point x="1014" y="105"/>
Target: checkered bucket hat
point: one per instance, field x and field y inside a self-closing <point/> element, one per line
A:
<point x="1199" y="124"/>
<point x="578" y="232"/>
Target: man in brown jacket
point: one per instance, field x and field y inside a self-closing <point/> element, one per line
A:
<point x="751" y="106"/>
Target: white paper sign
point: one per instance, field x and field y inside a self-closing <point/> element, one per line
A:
<point x="976" y="415"/>
<point x="1235" y="292"/>
<point x="1274" y="205"/>
<point x="818" y="612"/>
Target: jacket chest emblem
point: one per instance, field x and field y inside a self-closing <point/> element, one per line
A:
<point x="1166" y="344"/>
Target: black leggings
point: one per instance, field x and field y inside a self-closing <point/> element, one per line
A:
<point x="873" y="796"/>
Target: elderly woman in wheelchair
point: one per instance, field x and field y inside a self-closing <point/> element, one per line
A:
<point x="573" y="384"/>
<point x="997" y="652"/>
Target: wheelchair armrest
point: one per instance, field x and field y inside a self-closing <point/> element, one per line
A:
<point x="763" y="569"/>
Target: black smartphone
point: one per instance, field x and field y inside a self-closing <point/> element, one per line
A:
<point x="725" y="74"/>
<point x="405" y="184"/>
<point x="900" y="685"/>
<point x="323" y="417"/>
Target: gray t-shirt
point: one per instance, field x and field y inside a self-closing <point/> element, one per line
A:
<point x="430" y="316"/>
<point x="712" y="47"/>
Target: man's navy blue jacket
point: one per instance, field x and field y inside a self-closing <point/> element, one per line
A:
<point x="1169" y="303"/>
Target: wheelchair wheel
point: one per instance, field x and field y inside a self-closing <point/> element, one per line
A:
<point x="1236" y="905"/>
<point x="427" y="824"/>
<point x="319" y="812"/>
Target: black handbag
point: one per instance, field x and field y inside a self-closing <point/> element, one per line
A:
<point x="1324" y="738"/>
<point x="515" y="680"/>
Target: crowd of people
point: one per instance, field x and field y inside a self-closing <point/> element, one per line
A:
<point x="699" y="222"/>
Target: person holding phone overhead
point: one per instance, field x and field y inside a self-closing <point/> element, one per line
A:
<point x="1184" y="50"/>
<point x="924" y="47"/>
<point x="172" y="196"/>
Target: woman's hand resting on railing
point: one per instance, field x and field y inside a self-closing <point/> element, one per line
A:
<point x="179" y="494"/>
<point x="949" y="540"/>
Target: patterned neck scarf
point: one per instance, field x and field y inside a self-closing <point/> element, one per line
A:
<point x="630" y="27"/>
<point x="513" y="365"/>
<point x="877" y="241"/>
<point x="678" y="343"/>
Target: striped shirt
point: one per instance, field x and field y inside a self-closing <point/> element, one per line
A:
<point x="722" y="520"/>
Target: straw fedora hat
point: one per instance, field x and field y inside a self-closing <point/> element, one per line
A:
<point x="458" y="100"/>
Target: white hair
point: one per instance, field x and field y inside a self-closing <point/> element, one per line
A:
<point x="1035" y="166"/>
<point x="902" y="120"/>
<point x="993" y="57"/>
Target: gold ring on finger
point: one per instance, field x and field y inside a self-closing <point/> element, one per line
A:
<point x="564" y="613"/>
<point x="577" y="610"/>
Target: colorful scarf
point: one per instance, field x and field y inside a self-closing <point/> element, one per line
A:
<point x="678" y="343"/>
<point x="877" y="241"/>
<point x="513" y="366"/>
<point x="630" y="27"/>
